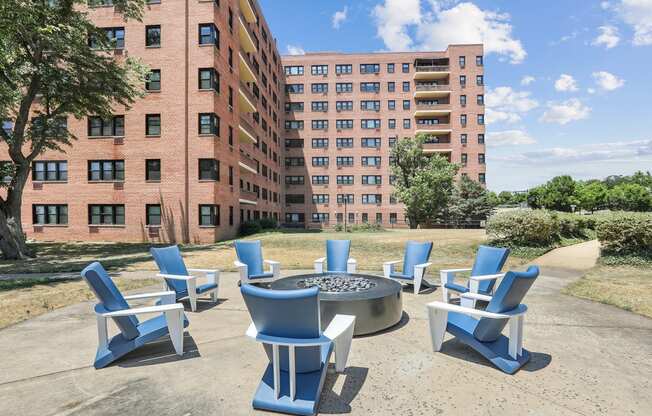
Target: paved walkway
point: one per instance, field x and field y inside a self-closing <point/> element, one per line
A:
<point x="588" y="359"/>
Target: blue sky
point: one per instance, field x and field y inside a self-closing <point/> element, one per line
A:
<point x="568" y="81"/>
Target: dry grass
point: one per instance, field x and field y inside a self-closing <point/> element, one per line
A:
<point x="21" y="300"/>
<point x="626" y="287"/>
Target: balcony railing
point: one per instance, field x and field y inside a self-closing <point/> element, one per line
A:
<point x="437" y="140"/>
<point x="442" y="106"/>
<point x="440" y="126"/>
<point x="247" y="160"/>
<point x="433" y="87"/>
<point x="432" y="68"/>
<point x="249" y="195"/>
<point x="247" y="92"/>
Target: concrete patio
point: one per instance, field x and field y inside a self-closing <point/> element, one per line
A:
<point x="588" y="358"/>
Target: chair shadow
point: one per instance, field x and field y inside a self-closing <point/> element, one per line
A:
<point x="204" y="304"/>
<point x="426" y="288"/>
<point x="333" y="403"/>
<point x="405" y="318"/>
<point x="457" y="349"/>
<point x="159" y="352"/>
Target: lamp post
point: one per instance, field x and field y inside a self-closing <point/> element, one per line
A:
<point x="345" y="214"/>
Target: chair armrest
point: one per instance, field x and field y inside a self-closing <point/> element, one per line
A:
<point x="351" y="265"/>
<point x="149" y="295"/>
<point x="423" y="265"/>
<point x="339" y="325"/>
<point x="392" y="262"/>
<point x="206" y="271"/>
<point x="320" y="260"/>
<point x="475" y="296"/>
<point x="271" y="262"/>
<point x="351" y="261"/>
<point x="252" y="332"/>
<point x="519" y="310"/>
<point x="455" y="271"/>
<point x="136" y="311"/>
<point x="487" y="276"/>
<point x="175" y="276"/>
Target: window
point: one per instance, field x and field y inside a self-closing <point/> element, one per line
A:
<point x="372" y="198"/>
<point x="369" y="68"/>
<point x="294" y="198"/>
<point x="209" y="123"/>
<point x="321" y="217"/>
<point x="371" y="160"/>
<point x="462" y="61"/>
<point x="391" y="86"/>
<point x="343" y="69"/>
<point x="153" y="125"/>
<point x="463" y="100"/>
<point x="320" y="198"/>
<point x="391" y="104"/>
<point x="390" y="68"/>
<point x="344" y="87"/>
<point x="407" y="123"/>
<point x="292" y="70"/>
<point x="406" y="104"/>
<point x="320" y="106"/>
<point x="231" y="135"/>
<point x="343" y="124"/>
<point x="294" y="88"/>
<point x="320" y="88"/>
<point x="372" y="180"/>
<point x="478" y="60"/>
<point x="344" y="142"/>
<point x="153" y="80"/>
<point x="294" y="107"/>
<point x="370" y="123"/>
<point x="479" y="80"/>
<point x="371" y="142"/>
<point x="345" y="179"/>
<point x="209" y="35"/>
<point x="293" y="143"/>
<point x="344" y="105"/>
<point x="462" y="81"/>
<point x="464" y="159"/>
<point x="114" y="35"/>
<point x="295" y="180"/>
<point x="370" y="86"/>
<point x="106" y="214"/>
<point x="481" y="158"/>
<point x="50" y="214"/>
<point x="153" y="36"/>
<point x="319" y="143"/>
<point x="319" y="179"/>
<point x="406" y="86"/>
<point x="392" y="179"/>
<point x="114" y="126"/>
<point x="320" y="161"/>
<point x="319" y="70"/>
<point x="392" y="141"/>
<point x="153" y="169"/>
<point x="209" y="79"/>
<point x="391" y="123"/>
<point x="294" y="124"/>
<point x="481" y="138"/>
<point x="153" y="213"/>
<point x="345" y="198"/>
<point x="406" y="68"/>
<point x="319" y="124"/>
<point x="370" y="105"/>
<point x="480" y="99"/>
<point x="209" y="170"/>
<point x="294" y="218"/>
<point x="209" y="215"/>
<point x="49" y="171"/>
<point x="482" y="178"/>
<point x="463" y="138"/>
<point x="106" y="170"/>
<point x="480" y="119"/>
<point x="294" y="161"/>
<point x="344" y="160"/>
<point x="463" y="120"/>
<point x="393" y="218"/>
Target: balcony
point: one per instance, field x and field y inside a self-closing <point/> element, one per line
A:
<point x="248" y="11"/>
<point x="246" y="100"/>
<point x="431" y="71"/>
<point x="247" y="164"/>
<point x="246" y="132"/>
<point x="246" y="40"/>
<point x="431" y="90"/>
<point x="424" y="110"/>
<point x="248" y="197"/>
<point x="433" y="128"/>
<point x="246" y="73"/>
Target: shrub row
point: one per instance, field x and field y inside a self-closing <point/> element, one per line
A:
<point x="625" y="233"/>
<point x="257" y="226"/>
<point x="524" y="228"/>
<point x="364" y="227"/>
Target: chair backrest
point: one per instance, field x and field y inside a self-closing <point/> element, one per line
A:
<point x="337" y="255"/>
<point x="415" y="253"/>
<point x="251" y="254"/>
<point x="110" y="298"/>
<point x="169" y="261"/>
<point x="489" y="260"/>
<point x="289" y="314"/>
<point x="510" y="293"/>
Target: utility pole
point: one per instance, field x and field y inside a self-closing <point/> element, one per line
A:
<point x="346" y="197"/>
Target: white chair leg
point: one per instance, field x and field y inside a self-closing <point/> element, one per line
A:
<point x="192" y="293"/>
<point x="102" y="333"/>
<point x="276" y="364"/>
<point x="342" y="349"/>
<point x="516" y="336"/>
<point x="292" y="372"/>
<point x="351" y="266"/>
<point x="174" y="321"/>
<point x="319" y="267"/>
<point x="388" y="269"/>
<point x="417" y="282"/>
<point x="438" y="320"/>
<point x="214" y="296"/>
<point x="474" y="287"/>
<point x="444" y="277"/>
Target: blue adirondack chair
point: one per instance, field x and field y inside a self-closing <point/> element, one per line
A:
<point x="337" y="258"/>
<point x="250" y="263"/>
<point x="287" y="323"/>
<point x="179" y="279"/>
<point x="415" y="262"/>
<point x="489" y="261"/>
<point x="133" y="333"/>
<point x="481" y="329"/>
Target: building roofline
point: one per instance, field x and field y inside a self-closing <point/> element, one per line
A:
<point x="318" y="53"/>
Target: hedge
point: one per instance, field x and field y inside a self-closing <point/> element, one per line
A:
<point x="257" y="226"/>
<point x="524" y="227"/>
<point x="625" y="233"/>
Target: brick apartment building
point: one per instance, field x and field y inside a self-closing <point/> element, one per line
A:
<point x="230" y="131"/>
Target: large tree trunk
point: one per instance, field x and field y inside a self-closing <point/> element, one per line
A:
<point x="413" y="222"/>
<point x="12" y="237"/>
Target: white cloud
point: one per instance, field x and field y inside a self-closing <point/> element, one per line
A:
<point x="295" y="50"/>
<point x="607" y="81"/>
<point x="405" y="25"/>
<point x="566" y="83"/>
<point x="609" y="37"/>
<point x="527" y="80"/>
<point x="509" y="138"/>
<point x="637" y="14"/>
<point x="605" y="5"/>
<point x="339" y="17"/>
<point x="564" y="112"/>
<point x="590" y="90"/>
<point x="505" y="104"/>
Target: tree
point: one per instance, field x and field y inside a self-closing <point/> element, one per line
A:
<point x="505" y="197"/>
<point x="469" y="201"/>
<point x="423" y="183"/>
<point x="592" y="195"/>
<point x="49" y="71"/>
<point x="630" y="197"/>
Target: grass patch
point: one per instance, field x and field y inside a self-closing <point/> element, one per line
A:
<point x="27" y="298"/>
<point x="628" y="287"/>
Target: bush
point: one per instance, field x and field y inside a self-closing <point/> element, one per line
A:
<point x="364" y="227"/>
<point x="268" y="223"/>
<point x="256" y="226"/>
<point x="626" y="233"/>
<point x="574" y="225"/>
<point x="533" y="228"/>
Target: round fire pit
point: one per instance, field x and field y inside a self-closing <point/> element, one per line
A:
<point x="375" y="301"/>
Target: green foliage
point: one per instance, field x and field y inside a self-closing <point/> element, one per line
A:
<point x="354" y="228"/>
<point x="533" y="228"/>
<point x="558" y="194"/>
<point x="630" y="197"/>
<point x="469" y="201"/>
<point x="256" y="226"/>
<point x="574" y="225"/>
<point x="626" y="233"/>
